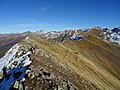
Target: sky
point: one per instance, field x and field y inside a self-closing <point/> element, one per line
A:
<point x="51" y="15"/>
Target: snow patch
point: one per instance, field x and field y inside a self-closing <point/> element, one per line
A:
<point x="9" y="56"/>
<point x="76" y="37"/>
<point x="27" y="38"/>
<point x="15" y="71"/>
<point x="113" y="35"/>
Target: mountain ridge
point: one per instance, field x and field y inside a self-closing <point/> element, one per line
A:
<point x="72" y="60"/>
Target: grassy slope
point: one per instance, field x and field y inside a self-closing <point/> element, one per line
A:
<point x="92" y="59"/>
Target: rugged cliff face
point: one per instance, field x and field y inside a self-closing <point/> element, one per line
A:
<point x="74" y="60"/>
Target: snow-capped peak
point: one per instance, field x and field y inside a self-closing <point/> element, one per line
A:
<point x="50" y="34"/>
<point x="41" y="32"/>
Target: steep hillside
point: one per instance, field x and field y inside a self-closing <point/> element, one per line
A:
<point x="90" y="63"/>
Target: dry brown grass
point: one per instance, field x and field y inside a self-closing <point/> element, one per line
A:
<point x="96" y="61"/>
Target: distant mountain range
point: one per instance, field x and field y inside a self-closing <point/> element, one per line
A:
<point x="111" y="35"/>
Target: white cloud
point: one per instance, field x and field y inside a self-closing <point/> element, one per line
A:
<point x="45" y="26"/>
<point x="28" y="25"/>
<point x="24" y="19"/>
<point x="43" y="9"/>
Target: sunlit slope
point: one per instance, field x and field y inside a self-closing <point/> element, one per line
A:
<point x="96" y="61"/>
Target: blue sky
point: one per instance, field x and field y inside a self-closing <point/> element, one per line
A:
<point x="33" y="15"/>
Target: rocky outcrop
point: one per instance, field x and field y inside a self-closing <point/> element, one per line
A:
<point x="45" y="80"/>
